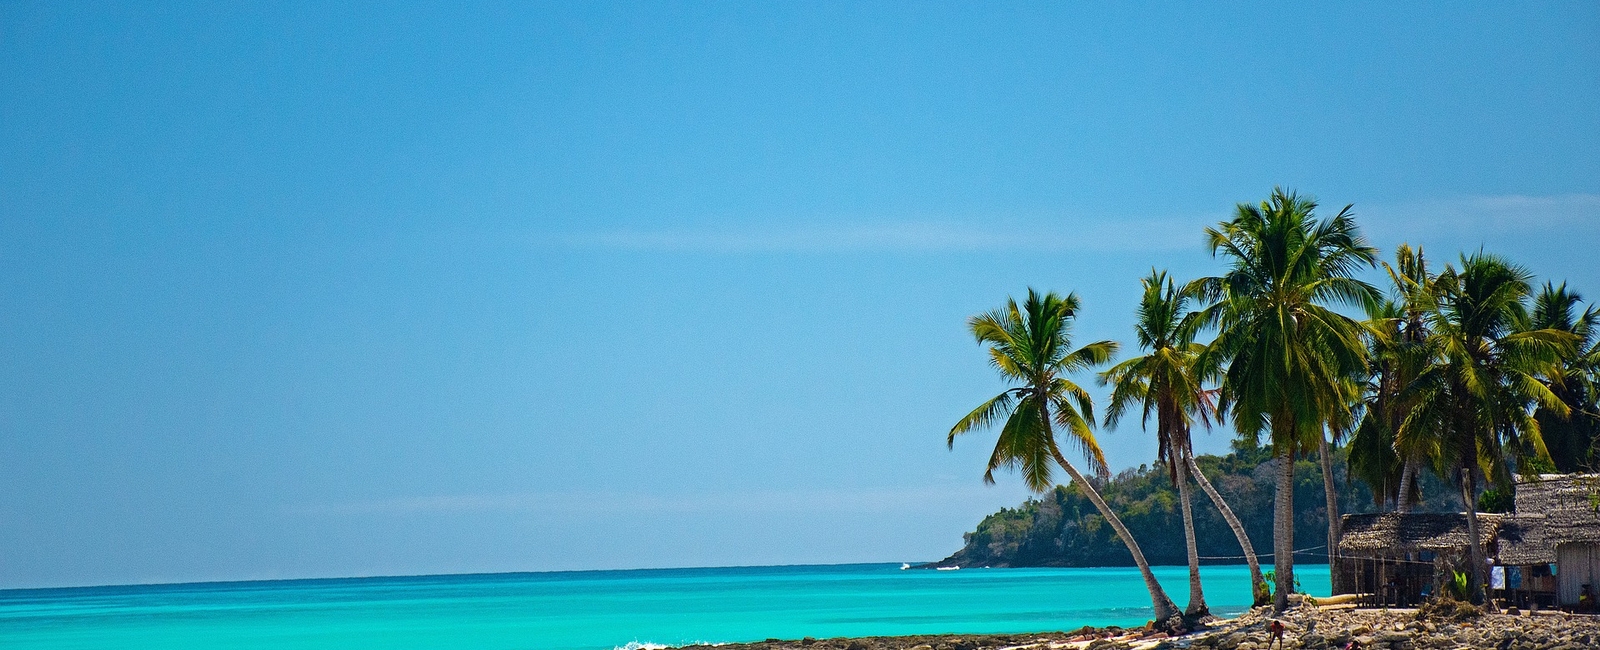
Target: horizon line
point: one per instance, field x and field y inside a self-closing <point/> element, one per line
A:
<point x="4" y="591"/>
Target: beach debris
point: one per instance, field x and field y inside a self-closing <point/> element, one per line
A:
<point x="1304" y="627"/>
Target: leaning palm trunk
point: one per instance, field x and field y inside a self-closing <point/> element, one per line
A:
<point x="1408" y="477"/>
<point x="1331" y="490"/>
<point x="1197" y="608"/>
<point x="1283" y="532"/>
<point x="1165" y="611"/>
<point x="1258" y="582"/>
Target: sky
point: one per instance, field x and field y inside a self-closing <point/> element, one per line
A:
<point x="340" y="289"/>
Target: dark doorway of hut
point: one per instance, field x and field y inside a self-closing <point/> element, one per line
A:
<point x="1405" y="581"/>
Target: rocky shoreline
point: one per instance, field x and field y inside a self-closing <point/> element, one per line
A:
<point x="1307" y="626"/>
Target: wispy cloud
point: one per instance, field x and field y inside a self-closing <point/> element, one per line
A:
<point x="909" y="236"/>
<point x="1485" y="217"/>
<point x="1478" y="216"/>
<point x="823" y="500"/>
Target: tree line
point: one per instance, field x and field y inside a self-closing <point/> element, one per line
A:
<point x="1062" y="528"/>
<point x="1468" y="372"/>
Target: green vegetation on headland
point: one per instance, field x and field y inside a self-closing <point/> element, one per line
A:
<point x="1466" y="373"/>
<point x="1061" y="528"/>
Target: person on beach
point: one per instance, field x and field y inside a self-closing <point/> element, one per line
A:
<point x="1276" y="632"/>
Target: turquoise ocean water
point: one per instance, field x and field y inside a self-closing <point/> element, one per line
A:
<point x="600" y="609"/>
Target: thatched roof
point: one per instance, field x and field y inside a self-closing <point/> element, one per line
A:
<point x="1393" y="533"/>
<point x="1552" y="509"/>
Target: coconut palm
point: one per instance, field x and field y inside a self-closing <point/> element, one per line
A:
<point x="1571" y="440"/>
<point x="1288" y="355"/>
<point x="1475" y="401"/>
<point x="1398" y="352"/>
<point x="1031" y="346"/>
<point x="1163" y="382"/>
<point x="1374" y="457"/>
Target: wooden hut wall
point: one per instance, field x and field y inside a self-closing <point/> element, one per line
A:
<point x="1576" y="565"/>
<point x="1402" y="580"/>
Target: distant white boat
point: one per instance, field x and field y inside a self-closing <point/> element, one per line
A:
<point x="949" y="568"/>
<point x="905" y="565"/>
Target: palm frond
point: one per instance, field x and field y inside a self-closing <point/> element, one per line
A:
<point x="986" y="415"/>
<point x="1081" y="437"/>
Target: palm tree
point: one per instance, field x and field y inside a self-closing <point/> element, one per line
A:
<point x="1375" y="457"/>
<point x="1031" y="346"/>
<point x="1164" y="382"/>
<point x="1397" y="332"/>
<point x="1475" y="402"/>
<point x="1289" y="356"/>
<point x="1571" y="440"/>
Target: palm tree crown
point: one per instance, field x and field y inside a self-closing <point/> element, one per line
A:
<point x="1571" y="439"/>
<point x="1477" y="397"/>
<point x="1031" y="344"/>
<point x="1162" y="382"/>
<point x="1287" y="351"/>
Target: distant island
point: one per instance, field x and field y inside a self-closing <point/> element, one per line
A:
<point x="1062" y="529"/>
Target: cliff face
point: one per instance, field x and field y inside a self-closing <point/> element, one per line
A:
<point x="1062" y="528"/>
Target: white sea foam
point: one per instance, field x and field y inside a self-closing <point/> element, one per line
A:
<point x="646" y="645"/>
<point x="637" y="645"/>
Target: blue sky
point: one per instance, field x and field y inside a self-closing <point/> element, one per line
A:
<point x="311" y="290"/>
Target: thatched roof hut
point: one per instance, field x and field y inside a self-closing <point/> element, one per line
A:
<point x="1557" y="522"/>
<point x="1390" y="534"/>
<point x="1399" y="558"/>
<point x="1552" y="509"/>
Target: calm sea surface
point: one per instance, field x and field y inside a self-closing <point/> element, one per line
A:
<point x="600" y="609"/>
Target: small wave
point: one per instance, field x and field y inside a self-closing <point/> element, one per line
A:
<point x="646" y="645"/>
